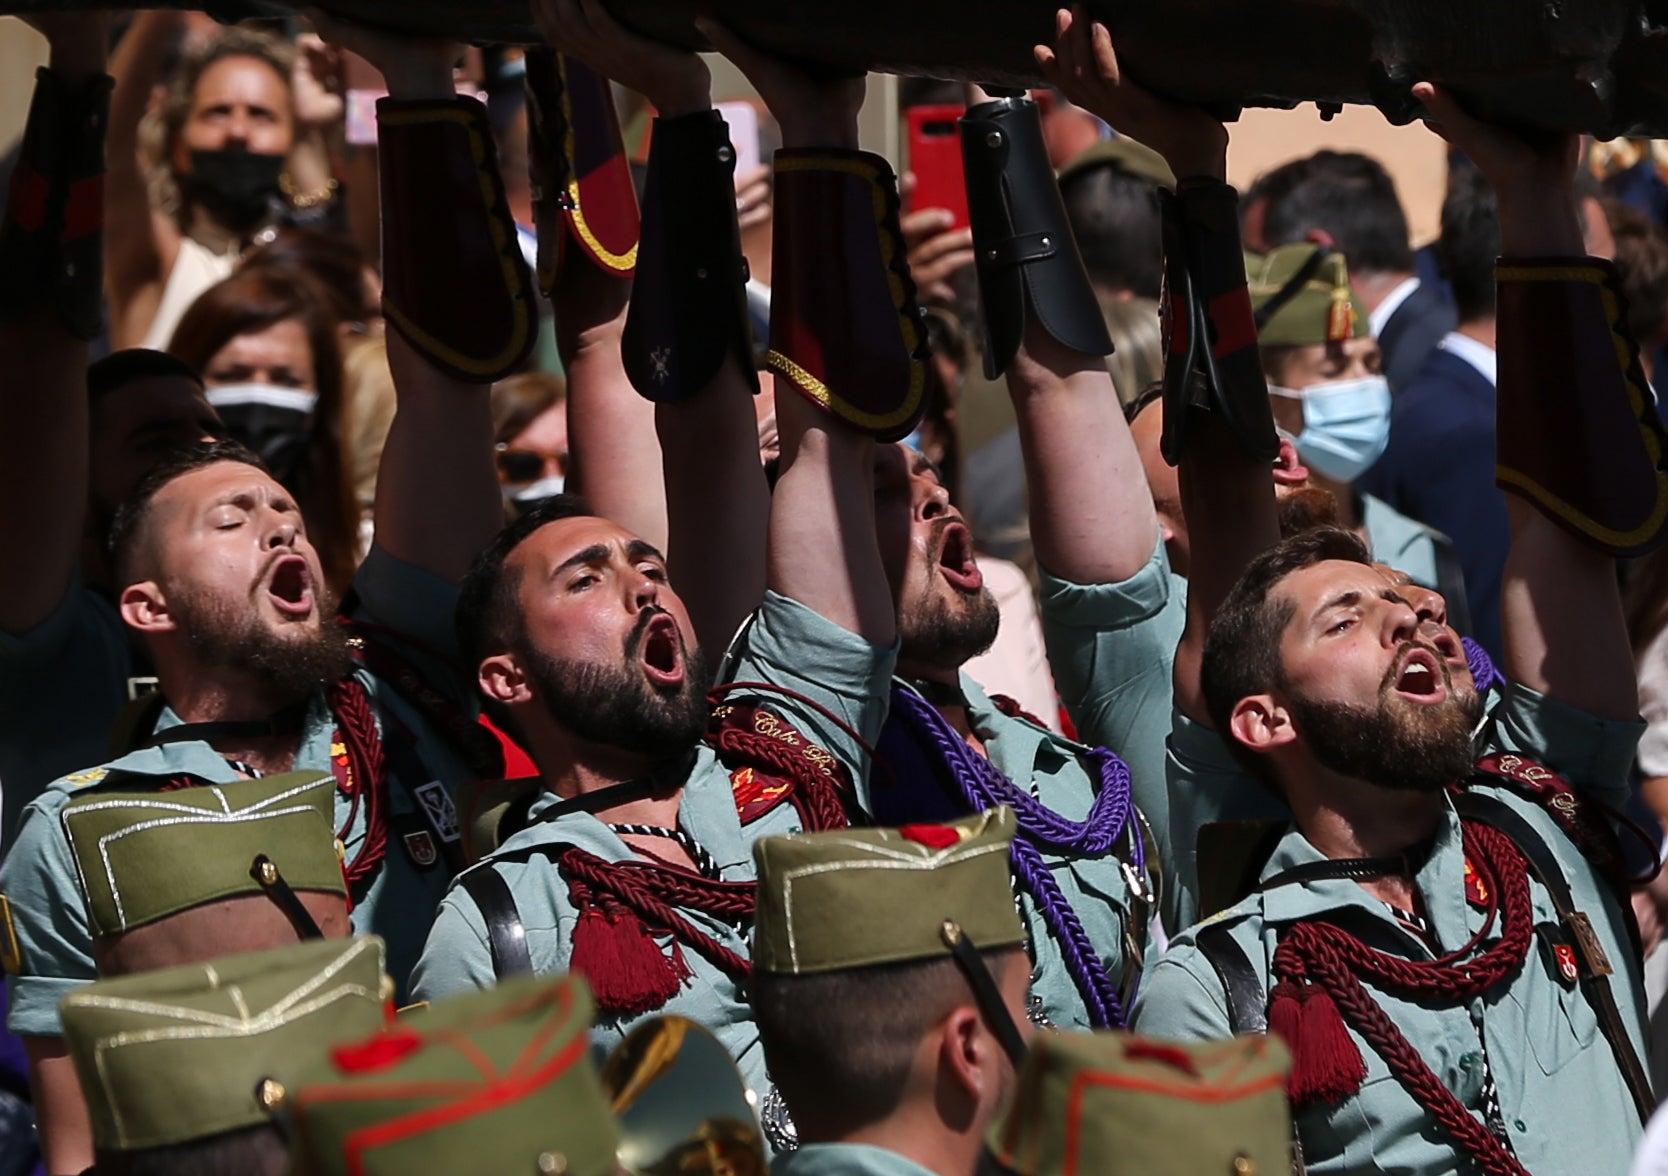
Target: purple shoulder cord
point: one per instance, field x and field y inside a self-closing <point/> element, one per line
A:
<point x="1484" y="673"/>
<point x="983" y="786"/>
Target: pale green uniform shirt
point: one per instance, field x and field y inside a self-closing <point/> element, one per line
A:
<point x="787" y="646"/>
<point x="1099" y="889"/>
<point x="39" y="879"/>
<point x="1565" y="1106"/>
<point x="1403" y="543"/>
<point x="1112" y="648"/>
<point x="845" y="1159"/>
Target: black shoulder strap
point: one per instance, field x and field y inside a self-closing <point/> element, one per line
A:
<point x="1450" y="581"/>
<point x="506" y="935"/>
<point x="1596" y="968"/>
<point x="1247" y="1003"/>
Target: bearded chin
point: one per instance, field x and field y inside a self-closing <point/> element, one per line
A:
<point x="939" y="633"/>
<point x="1393" y="745"/>
<point x="288" y="658"/>
<point x="614" y="706"/>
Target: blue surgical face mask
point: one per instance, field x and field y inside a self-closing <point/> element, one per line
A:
<point x="1346" y="425"/>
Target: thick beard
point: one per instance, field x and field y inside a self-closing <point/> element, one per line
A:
<point x="615" y="706"/>
<point x="1393" y="745"/>
<point x="936" y="634"/>
<point x="225" y="636"/>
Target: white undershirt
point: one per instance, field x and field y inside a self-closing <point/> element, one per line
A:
<point x="1479" y="355"/>
<point x="1391" y="304"/>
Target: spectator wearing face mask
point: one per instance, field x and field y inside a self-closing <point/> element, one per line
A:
<point x="237" y="143"/>
<point x="1331" y="398"/>
<point x="265" y="343"/>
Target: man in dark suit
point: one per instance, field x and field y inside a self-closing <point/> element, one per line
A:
<point x="1439" y="465"/>
<point x="1350" y="200"/>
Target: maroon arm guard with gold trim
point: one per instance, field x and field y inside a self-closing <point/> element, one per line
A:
<point x="845" y="330"/>
<point x="1579" y="435"/>
<point x="52" y="237"/>
<point x="582" y="191"/>
<point x="455" y="284"/>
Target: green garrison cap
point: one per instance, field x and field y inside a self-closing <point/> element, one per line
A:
<point x="1121" y="154"/>
<point x="1300" y="295"/>
<point x="185" y="1053"/>
<point x="146" y="855"/>
<point x="498" y="1081"/>
<point x="1114" y="1104"/>
<point x="858" y="897"/>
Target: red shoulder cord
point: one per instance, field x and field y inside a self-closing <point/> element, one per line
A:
<point x="619" y="903"/>
<point x="366" y="774"/>
<point x="821" y="803"/>
<point x="1321" y="969"/>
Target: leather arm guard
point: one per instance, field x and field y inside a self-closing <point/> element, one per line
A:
<point x="1579" y="435"/>
<point x="1026" y="256"/>
<point x="845" y="330"/>
<point x="454" y="283"/>
<point x="52" y="237"/>
<point x="1211" y="361"/>
<point x="688" y="311"/>
<point x="582" y="192"/>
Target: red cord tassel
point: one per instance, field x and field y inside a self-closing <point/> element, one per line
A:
<point x="624" y="965"/>
<point x="1326" y="1065"/>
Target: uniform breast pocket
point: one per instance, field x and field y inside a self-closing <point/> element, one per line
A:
<point x="1558" y="1021"/>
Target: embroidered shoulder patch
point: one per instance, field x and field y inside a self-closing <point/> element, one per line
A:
<point x="1233" y="912"/>
<point x="11" y="952"/>
<point x="83" y="779"/>
<point x="758" y="747"/>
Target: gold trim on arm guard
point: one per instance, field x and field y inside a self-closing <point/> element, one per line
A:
<point x="1579" y="435"/>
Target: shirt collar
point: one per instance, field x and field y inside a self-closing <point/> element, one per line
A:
<point x="1441" y="882"/>
<point x="1385" y="310"/>
<point x="1479" y="355"/>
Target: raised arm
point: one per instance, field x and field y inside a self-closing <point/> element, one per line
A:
<point x="847" y="356"/>
<point x="1092" y="517"/>
<point x="458" y="298"/>
<point x="1217" y="428"/>
<point x="1559" y="336"/>
<point x="49" y="304"/>
<point x="685" y="340"/>
<point x="143" y="243"/>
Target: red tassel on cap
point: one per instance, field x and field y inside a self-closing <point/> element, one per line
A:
<point x="1326" y="1065"/>
<point x="621" y="961"/>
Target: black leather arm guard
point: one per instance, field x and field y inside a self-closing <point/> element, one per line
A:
<point x="52" y="237"/>
<point x="1026" y="256"/>
<point x="688" y="310"/>
<point x="1211" y="361"/>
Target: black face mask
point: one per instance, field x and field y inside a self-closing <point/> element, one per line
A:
<point x="280" y="434"/>
<point x="236" y="188"/>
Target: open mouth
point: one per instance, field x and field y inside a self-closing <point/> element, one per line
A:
<point x="955" y="558"/>
<point x="662" y="653"/>
<point x="1421" y="678"/>
<point x="290" y="586"/>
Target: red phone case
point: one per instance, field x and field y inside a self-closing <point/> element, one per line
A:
<point x="935" y="158"/>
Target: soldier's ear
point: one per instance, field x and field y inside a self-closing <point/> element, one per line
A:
<point x="965" y="1050"/>
<point x="502" y="679"/>
<point x="1260" y="722"/>
<point x="144" y="608"/>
